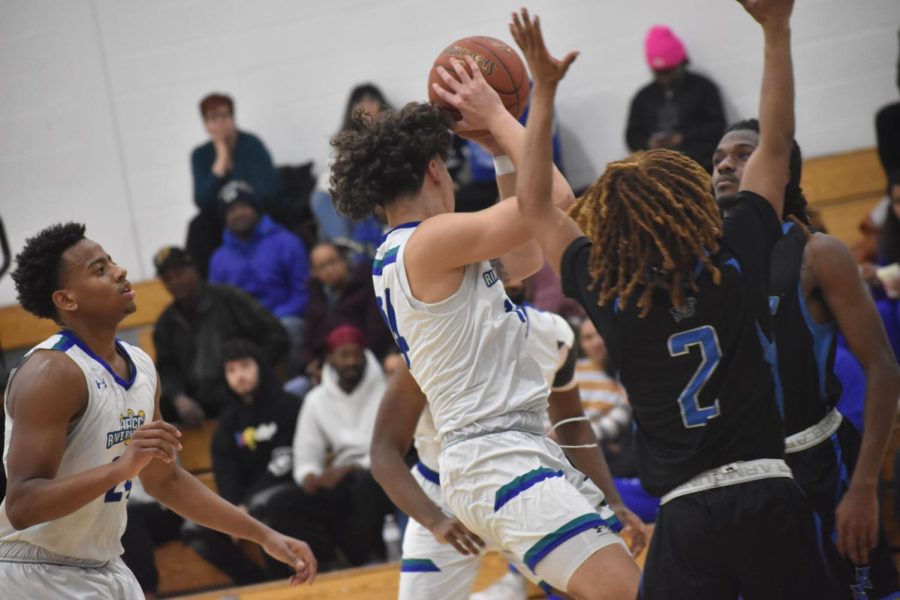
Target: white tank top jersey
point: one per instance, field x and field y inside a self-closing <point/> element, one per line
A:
<point x="549" y="339"/>
<point x="115" y="408"/>
<point x="467" y="351"/>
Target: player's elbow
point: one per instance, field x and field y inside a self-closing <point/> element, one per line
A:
<point x="20" y="513"/>
<point x="564" y="199"/>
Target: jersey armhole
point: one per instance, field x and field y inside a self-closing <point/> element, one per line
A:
<point x="449" y="304"/>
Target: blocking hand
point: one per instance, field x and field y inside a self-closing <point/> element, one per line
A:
<point x="470" y="94"/>
<point x="545" y="69"/>
<point x="769" y="12"/>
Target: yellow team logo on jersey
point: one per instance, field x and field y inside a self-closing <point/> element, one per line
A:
<point x="128" y="423"/>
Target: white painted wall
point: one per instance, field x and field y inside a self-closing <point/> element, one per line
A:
<point x="98" y="98"/>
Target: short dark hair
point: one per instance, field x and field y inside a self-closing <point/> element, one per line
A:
<point x="215" y="100"/>
<point x="239" y="348"/>
<point x="794" y="199"/>
<point x="378" y="160"/>
<point x="38" y="267"/>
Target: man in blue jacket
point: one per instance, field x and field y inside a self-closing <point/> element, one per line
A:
<point x="265" y="260"/>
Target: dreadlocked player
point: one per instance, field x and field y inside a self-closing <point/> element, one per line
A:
<point x="679" y="295"/>
<point x="816" y="290"/>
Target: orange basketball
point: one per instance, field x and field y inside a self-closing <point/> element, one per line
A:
<point x="500" y="65"/>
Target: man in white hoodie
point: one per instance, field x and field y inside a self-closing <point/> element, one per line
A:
<point x="339" y="503"/>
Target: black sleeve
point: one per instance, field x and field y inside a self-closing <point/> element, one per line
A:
<point x="576" y="281"/>
<point x="565" y="375"/>
<point x="170" y="373"/>
<point x="750" y="230"/>
<point x="256" y="323"/>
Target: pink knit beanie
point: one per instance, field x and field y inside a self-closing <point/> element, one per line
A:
<point x="663" y="48"/>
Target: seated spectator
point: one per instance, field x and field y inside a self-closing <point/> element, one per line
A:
<point x="149" y="524"/>
<point x="678" y="109"/>
<point x="265" y="260"/>
<point x="605" y="402"/>
<point x="365" y="99"/>
<point x="230" y="154"/>
<point x="189" y="334"/>
<point x="338" y="294"/>
<point x="336" y="503"/>
<point x="251" y="456"/>
<point x="883" y="279"/>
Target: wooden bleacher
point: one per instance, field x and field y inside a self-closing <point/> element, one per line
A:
<point x="843" y="188"/>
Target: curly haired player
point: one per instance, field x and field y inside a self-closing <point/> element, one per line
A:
<point x="462" y="339"/>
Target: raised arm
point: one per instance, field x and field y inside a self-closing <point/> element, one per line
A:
<point x="395" y="427"/>
<point x="549" y="225"/>
<point x="452" y="240"/>
<point x="768" y="168"/>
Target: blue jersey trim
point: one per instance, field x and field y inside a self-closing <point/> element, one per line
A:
<point x="553" y="540"/>
<point x="406" y="225"/>
<point x="119" y="348"/>
<point x="418" y="565"/>
<point x="770" y="355"/>
<point x="428" y="474"/>
<point x="522" y="483"/>
<point x="823" y="339"/>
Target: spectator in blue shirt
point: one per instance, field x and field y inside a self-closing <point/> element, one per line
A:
<point x="229" y="155"/>
<point x="265" y="260"/>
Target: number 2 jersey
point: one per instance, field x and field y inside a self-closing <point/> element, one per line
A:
<point x="115" y="408"/>
<point x="466" y="352"/>
<point x="699" y="379"/>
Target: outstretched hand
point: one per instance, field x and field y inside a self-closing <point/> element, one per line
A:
<point x="470" y="94"/>
<point x="545" y="69"/>
<point x="295" y="554"/>
<point x="769" y="12"/>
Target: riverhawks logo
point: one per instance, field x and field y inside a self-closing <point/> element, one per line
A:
<point x="129" y="422"/>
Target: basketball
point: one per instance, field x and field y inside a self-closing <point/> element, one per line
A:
<point x="499" y="63"/>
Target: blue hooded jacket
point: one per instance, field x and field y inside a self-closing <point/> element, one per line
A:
<point x="271" y="266"/>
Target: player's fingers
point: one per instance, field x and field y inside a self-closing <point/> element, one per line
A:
<point x="569" y="59"/>
<point x="464" y="76"/>
<point x="157" y="434"/>
<point x="474" y="71"/>
<point x="157" y="447"/>
<point x="538" y="35"/>
<point x="448" y="97"/>
<point x="452" y="82"/>
<point x="459" y="547"/>
<point x="163" y="425"/>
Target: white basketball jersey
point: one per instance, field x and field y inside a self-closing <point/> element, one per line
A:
<point x="115" y="408"/>
<point x="466" y="351"/>
<point x="549" y="339"/>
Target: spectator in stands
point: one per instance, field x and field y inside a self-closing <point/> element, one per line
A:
<point x="339" y="293"/>
<point x="251" y="456"/>
<point x="678" y="109"/>
<point x="605" y="402"/>
<point x="189" y="334"/>
<point x="265" y="260"/>
<point x="338" y="504"/>
<point x="887" y="130"/>
<point x="150" y="524"/>
<point x="884" y="279"/>
<point x="368" y="100"/>
<point x="230" y="154"/>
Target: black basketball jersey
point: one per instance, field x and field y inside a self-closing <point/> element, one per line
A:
<point x="698" y="379"/>
<point x="805" y="348"/>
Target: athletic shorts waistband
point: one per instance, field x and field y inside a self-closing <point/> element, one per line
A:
<point x="814" y="435"/>
<point x="23" y="552"/>
<point x="731" y="474"/>
<point x="522" y="421"/>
